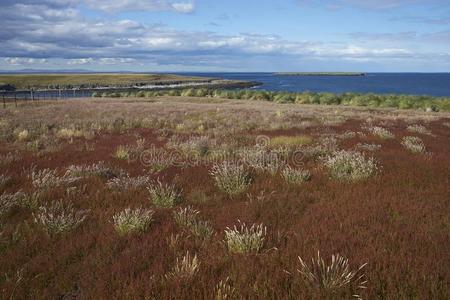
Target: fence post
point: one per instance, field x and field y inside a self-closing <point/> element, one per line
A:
<point x="4" y="101"/>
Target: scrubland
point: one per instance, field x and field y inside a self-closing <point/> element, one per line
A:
<point x="211" y="198"/>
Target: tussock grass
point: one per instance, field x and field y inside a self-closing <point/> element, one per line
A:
<point x="244" y="239"/>
<point x="350" y="166"/>
<point x="184" y="268"/>
<point x="231" y="178"/>
<point x="99" y="169"/>
<point x="132" y="220"/>
<point x="334" y="276"/>
<point x="9" y="201"/>
<point x="47" y="179"/>
<point x="127" y="183"/>
<point x="381" y="132"/>
<point x="164" y="195"/>
<point x="413" y="144"/>
<point x="122" y="152"/>
<point x="416" y="128"/>
<point x="295" y="176"/>
<point x="59" y="217"/>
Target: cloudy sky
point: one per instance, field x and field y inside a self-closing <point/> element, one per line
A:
<point x="226" y="35"/>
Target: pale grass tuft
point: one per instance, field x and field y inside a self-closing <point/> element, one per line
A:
<point x="416" y="128"/>
<point x="132" y="220"/>
<point x="381" y="132"/>
<point x="164" y="195"/>
<point x="413" y="144"/>
<point x="122" y="152"/>
<point x="295" y="176"/>
<point x="333" y="277"/>
<point x="244" y="239"/>
<point x="231" y="178"/>
<point x="99" y="169"/>
<point x="184" y="269"/>
<point x="185" y="217"/>
<point x="350" y="166"/>
<point x="59" y="217"/>
<point x="46" y="178"/>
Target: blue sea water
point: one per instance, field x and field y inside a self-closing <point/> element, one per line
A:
<point x="432" y="84"/>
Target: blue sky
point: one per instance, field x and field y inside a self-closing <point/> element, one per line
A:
<point x="226" y="35"/>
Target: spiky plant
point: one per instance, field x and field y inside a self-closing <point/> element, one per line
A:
<point x="201" y="230"/>
<point x="295" y="176"/>
<point x="231" y="178"/>
<point x="184" y="268"/>
<point x="4" y="179"/>
<point x="164" y="195"/>
<point x="350" y="166"/>
<point x="334" y="276"/>
<point x="132" y="220"/>
<point x="244" y="239"/>
<point x="46" y="179"/>
<point x="99" y="169"/>
<point x="59" y="217"/>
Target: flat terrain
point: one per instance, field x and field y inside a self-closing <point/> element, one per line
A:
<point x="389" y="209"/>
<point x="46" y="80"/>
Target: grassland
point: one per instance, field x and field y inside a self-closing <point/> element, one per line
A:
<point x="171" y="197"/>
<point x="93" y="80"/>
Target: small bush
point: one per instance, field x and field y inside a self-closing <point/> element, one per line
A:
<point x="333" y="277"/>
<point x="132" y="220"/>
<point x="413" y="144"/>
<point x="59" y="217"/>
<point x="186" y="268"/>
<point x="350" y="166"/>
<point x="232" y="179"/>
<point x="164" y="195"/>
<point x="368" y="147"/>
<point x="244" y="239"/>
<point x="295" y="176"/>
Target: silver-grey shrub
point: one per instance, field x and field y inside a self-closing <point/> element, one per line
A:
<point x="295" y="176"/>
<point x="413" y="144"/>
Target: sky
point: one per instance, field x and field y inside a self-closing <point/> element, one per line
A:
<point x="226" y="35"/>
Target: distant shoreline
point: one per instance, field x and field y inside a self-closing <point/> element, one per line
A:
<point x="320" y="74"/>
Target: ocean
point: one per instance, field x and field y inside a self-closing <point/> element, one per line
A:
<point x="431" y="84"/>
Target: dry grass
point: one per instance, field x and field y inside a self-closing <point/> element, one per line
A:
<point x="397" y="221"/>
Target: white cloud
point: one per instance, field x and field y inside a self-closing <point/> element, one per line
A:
<point x="138" y="5"/>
